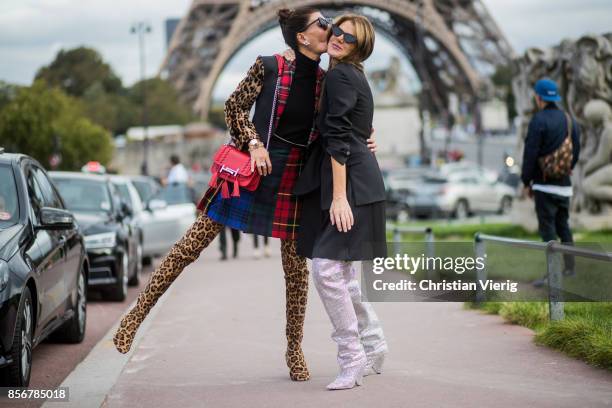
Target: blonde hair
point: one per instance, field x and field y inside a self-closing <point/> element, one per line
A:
<point x="364" y="32"/>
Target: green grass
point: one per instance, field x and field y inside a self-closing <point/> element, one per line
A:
<point x="586" y="331"/>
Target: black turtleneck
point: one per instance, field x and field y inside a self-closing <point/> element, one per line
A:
<point x="297" y="118"/>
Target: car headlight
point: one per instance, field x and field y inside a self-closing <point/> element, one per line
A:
<point x="105" y="240"/>
<point x="4" y="275"/>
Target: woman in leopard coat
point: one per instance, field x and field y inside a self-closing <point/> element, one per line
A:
<point x="285" y="94"/>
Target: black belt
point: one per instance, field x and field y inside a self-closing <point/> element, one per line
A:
<point x="289" y="141"/>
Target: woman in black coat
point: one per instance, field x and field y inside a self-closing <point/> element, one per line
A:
<point x="344" y="208"/>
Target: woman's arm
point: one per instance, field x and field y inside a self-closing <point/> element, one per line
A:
<point x="238" y="106"/>
<point x="342" y="96"/>
<point x="341" y="99"/>
<point x="340" y="212"/>
<point x="237" y="110"/>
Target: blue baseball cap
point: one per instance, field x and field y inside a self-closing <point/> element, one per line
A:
<point x="547" y="89"/>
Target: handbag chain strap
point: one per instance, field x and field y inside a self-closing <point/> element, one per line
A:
<point x="278" y="78"/>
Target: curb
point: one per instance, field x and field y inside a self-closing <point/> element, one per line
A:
<point x="92" y="379"/>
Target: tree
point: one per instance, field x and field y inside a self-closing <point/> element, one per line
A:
<point x="115" y="112"/>
<point x="77" y="69"/>
<point x="7" y="93"/>
<point x="163" y="105"/>
<point x="38" y="115"/>
<point x="502" y="78"/>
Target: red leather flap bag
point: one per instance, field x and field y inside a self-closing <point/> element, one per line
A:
<point x="231" y="165"/>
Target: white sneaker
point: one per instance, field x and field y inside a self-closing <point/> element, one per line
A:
<point x="267" y="251"/>
<point x="256" y="253"/>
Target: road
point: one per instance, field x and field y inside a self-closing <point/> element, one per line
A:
<point x="52" y="362"/>
<point x="216" y="339"/>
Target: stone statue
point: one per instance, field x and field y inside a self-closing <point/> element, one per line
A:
<point x="583" y="70"/>
<point x="597" y="182"/>
<point x="387" y="87"/>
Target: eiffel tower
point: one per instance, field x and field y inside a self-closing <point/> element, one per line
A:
<point x="452" y="44"/>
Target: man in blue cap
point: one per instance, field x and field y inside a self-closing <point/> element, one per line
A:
<point x="547" y="132"/>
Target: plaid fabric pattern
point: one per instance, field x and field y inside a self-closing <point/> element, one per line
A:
<point x="271" y="210"/>
<point x="287" y="209"/>
<point x="314" y="132"/>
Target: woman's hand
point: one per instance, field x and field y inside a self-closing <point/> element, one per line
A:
<point x="341" y="215"/>
<point x="372" y="142"/>
<point x="261" y="159"/>
<point x="289" y="54"/>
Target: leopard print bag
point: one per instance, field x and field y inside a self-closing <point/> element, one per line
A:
<point x="558" y="164"/>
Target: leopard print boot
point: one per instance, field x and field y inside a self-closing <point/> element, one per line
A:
<point x="185" y="251"/>
<point x="296" y="284"/>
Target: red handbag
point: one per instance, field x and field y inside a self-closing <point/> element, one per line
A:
<point x="231" y="165"/>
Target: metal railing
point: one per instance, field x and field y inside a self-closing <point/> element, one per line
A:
<point x="429" y="240"/>
<point x="553" y="251"/>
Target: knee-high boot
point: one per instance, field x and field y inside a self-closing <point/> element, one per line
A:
<point x="370" y="329"/>
<point x="185" y="251"/>
<point x="331" y="280"/>
<point x="296" y="292"/>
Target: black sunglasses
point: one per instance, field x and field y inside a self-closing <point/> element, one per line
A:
<point x="322" y="22"/>
<point x="349" y="38"/>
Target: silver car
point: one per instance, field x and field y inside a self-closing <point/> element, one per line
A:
<point x="163" y="219"/>
<point x="459" y="193"/>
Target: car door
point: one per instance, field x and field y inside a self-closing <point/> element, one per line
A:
<point x="472" y="191"/>
<point x="130" y="221"/>
<point x="51" y="260"/>
<point x="68" y="238"/>
<point x="127" y="228"/>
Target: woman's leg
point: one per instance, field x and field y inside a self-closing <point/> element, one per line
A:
<point x="296" y="292"/>
<point x="330" y="280"/>
<point x="370" y="329"/>
<point x="185" y="251"/>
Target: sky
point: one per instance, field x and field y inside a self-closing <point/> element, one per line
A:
<point x="33" y="31"/>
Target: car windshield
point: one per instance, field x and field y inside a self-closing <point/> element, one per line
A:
<point x="145" y="189"/>
<point x="435" y="178"/>
<point x="176" y="194"/>
<point x="9" y="204"/>
<point x="84" y="195"/>
<point x="124" y="193"/>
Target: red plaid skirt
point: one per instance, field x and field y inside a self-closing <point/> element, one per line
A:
<point x="272" y="210"/>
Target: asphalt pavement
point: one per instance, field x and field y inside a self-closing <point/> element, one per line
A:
<point x="216" y="339"/>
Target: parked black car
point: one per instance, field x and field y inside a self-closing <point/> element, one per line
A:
<point x="109" y="238"/>
<point x="43" y="267"/>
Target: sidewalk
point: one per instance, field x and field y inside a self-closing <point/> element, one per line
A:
<point x="217" y="340"/>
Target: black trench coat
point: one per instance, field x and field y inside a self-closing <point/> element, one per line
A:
<point x="345" y="123"/>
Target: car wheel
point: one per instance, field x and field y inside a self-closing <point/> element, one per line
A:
<point x="462" y="210"/>
<point x="73" y="331"/>
<point x="135" y="279"/>
<point x="119" y="292"/>
<point x="147" y="260"/>
<point x="17" y="374"/>
<point x="505" y="205"/>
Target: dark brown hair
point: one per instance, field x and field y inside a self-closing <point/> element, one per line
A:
<point x="294" y="21"/>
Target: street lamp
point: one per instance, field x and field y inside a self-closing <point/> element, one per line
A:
<point x="141" y="28"/>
